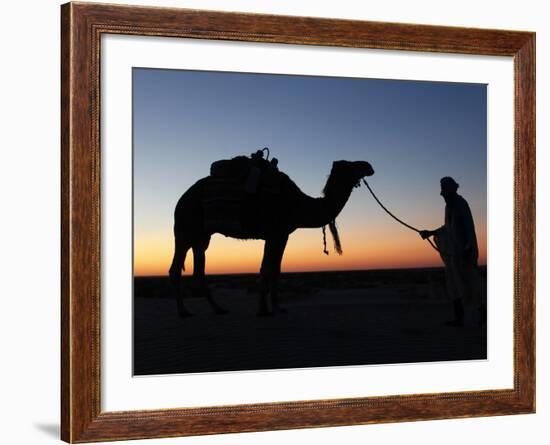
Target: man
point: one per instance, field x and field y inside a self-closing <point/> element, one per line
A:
<point x="457" y="244"/>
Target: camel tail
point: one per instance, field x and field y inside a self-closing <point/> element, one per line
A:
<point x="335" y="237"/>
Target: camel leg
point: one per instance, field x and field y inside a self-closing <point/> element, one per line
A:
<point x="278" y="251"/>
<point x="199" y="276"/>
<point x="269" y="274"/>
<point x="175" y="277"/>
<point x="264" y="303"/>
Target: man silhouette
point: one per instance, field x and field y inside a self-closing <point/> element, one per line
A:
<point x="457" y="244"/>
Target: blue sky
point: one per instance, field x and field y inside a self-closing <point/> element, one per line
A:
<point x="412" y="132"/>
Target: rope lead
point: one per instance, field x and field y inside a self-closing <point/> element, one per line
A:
<point x="395" y="217"/>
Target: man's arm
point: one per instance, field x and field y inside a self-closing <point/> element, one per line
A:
<point x="427" y="233"/>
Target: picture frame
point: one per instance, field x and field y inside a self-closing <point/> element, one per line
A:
<point x="82" y="25"/>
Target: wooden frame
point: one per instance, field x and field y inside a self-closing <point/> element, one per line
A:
<point x="81" y="27"/>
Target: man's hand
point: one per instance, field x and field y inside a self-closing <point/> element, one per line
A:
<point x="425" y="234"/>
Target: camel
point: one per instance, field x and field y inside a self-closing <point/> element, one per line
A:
<point x="270" y="217"/>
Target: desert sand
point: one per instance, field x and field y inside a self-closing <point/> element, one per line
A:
<point x="332" y="319"/>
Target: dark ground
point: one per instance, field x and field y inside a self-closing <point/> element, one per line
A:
<point x="333" y="319"/>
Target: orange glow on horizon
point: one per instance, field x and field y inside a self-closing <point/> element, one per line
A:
<point x="380" y="249"/>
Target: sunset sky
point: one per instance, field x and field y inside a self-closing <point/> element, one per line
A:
<point x="412" y="133"/>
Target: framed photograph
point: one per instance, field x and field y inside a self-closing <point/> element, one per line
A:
<point x="274" y="222"/>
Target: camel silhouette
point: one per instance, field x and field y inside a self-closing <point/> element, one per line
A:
<point x="267" y="215"/>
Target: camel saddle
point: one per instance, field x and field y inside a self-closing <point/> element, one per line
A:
<point x="256" y="175"/>
<point x="233" y="184"/>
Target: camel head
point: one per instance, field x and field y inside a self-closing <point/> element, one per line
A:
<point x="362" y="169"/>
<point x="343" y="177"/>
<point x="347" y="174"/>
<point x="351" y="171"/>
<point x="358" y="169"/>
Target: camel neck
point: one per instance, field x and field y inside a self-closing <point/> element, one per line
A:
<point x="318" y="212"/>
<point x="335" y="199"/>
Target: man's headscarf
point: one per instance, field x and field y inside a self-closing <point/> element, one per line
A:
<point x="449" y="183"/>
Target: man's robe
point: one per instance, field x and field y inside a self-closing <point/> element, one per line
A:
<point x="457" y="244"/>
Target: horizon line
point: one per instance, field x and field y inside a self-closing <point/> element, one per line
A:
<point x="309" y="271"/>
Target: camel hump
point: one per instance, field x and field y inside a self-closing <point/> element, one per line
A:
<point x="254" y="173"/>
<point x="236" y="168"/>
<point x="239" y="167"/>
